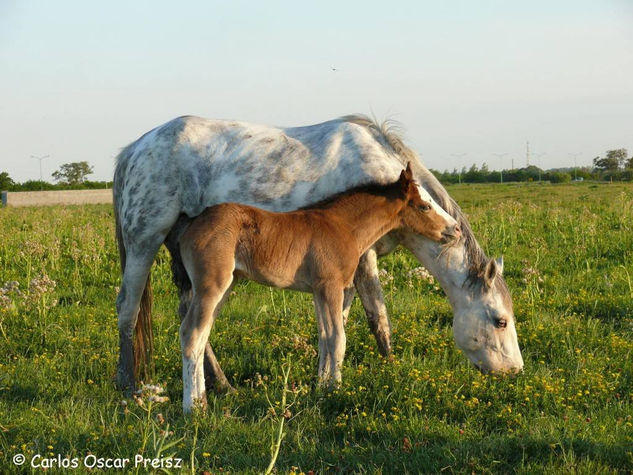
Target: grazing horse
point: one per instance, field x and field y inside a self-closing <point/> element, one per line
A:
<point x="315" y="250"/>
<point x="190" y="163"/>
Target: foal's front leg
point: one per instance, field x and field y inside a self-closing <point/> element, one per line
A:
<point x="328" y="304"/>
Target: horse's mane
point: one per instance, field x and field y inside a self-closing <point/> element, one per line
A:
<point x="388" y="135"/>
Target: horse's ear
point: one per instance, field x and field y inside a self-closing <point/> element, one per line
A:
<point x="490" y="273"/>
<point x="499" y="262"/>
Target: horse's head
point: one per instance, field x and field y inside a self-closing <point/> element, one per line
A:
<point x="483" y="316"/>
<point x="422" y="215"/>
<point x="484" y="328"/>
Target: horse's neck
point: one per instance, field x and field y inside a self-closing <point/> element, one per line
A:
<point x="369" y="216"/>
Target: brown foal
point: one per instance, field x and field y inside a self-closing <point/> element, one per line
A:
<point x="312" y="250"/>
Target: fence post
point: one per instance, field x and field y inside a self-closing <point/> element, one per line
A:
<point x="4" y="198"/>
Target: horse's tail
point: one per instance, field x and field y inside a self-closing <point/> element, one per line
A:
<point x="144" y="338"/>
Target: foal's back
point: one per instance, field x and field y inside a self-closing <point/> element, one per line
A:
<point x="296" y="250"/>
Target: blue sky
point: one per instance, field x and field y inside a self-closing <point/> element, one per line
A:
<point x="469" y="81"/>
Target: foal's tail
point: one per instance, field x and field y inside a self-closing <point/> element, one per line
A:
<point x="179" y="273"/>
<point x="144" y="338"/>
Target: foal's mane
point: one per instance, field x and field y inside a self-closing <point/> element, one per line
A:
<point x="369" y="188"/>
<point x="388" y="134"/>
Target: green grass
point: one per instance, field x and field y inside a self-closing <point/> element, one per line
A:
<point x="568" y="254"/>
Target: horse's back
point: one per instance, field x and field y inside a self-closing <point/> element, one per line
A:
<point x="191" y="163"/>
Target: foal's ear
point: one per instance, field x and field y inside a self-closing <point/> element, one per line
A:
<point x="406" y="178"/>
<point x="408" y="172"/>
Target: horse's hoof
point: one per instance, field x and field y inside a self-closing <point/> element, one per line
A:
<point x="124" y="383"/>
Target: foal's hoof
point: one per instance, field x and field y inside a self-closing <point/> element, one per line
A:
<point x="221" y="387"/>
<point x="199" y="407"/>
<point x="329" y="384"/>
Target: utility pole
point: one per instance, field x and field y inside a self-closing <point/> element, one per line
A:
<point x="538" y="156"/>
<point x="40" y="159"/>
<point x="575" y="166"/>
<point x="527" y="154"/>
<point x="459" y="156"/>
<point x="501" y="155"/>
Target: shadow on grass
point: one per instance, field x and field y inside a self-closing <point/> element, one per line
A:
<point x="439" y="454"/>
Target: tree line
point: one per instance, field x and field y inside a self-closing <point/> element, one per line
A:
<point x="614" y="166"/>
<point x="69" y="176"/>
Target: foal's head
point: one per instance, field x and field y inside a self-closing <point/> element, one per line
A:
<point x="422" y="215"/>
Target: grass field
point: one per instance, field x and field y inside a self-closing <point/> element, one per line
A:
<point x="568" y="254"/>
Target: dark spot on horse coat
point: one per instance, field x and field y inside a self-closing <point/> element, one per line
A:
<point x="244" y="168"/>
<point x="173" y="128"/>
<point x="135" y="189"/>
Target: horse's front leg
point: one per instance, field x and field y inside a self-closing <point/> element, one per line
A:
<point x="370" y="292"/>
<point x="214" y="378"/>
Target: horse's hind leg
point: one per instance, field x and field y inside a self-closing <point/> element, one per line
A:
<point x="370" y="292"/>
<point x="135" y="277"/>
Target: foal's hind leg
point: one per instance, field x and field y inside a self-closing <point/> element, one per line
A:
<point x="348" y="298"/>
<point x="194" y="334"/>
<point x="214" y="378"/>
<point x="370" y="292"/>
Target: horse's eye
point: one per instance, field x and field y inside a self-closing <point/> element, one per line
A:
<point x="424" y="207"/>
<point x="500" y="323"/>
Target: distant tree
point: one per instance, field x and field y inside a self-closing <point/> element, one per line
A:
<point x="558" y="177"/>
<point x="629" y="164"/>
<point x="73" y="173"/>
<point x="472" y="175"/>
<point x="620" y="155"/>
<point x="34" y="185"/>
<point x="6" y="182"/>
<point x="614" y="160"/>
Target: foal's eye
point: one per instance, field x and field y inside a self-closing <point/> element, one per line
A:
<point x="424" y="207"/>
<point x="500" y="323"/>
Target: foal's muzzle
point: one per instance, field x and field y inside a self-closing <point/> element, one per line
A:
<point x="452" y="234"/>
